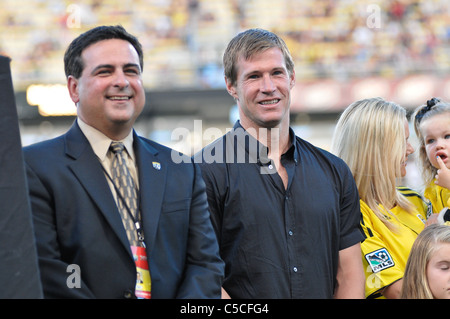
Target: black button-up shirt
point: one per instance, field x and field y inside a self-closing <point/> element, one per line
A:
<point x="277" y="242"/>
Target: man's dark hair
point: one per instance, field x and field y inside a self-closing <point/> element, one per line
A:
<point x="73" y="64"/>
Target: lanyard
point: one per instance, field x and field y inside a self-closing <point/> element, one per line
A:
<point x="136" y="222"/>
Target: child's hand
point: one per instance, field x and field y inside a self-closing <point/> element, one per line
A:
<point x="443" y="174"/>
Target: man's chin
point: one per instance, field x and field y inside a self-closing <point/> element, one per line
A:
<point x="270" y="123"/>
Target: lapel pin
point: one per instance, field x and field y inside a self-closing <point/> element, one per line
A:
<point x="156" y="165"/>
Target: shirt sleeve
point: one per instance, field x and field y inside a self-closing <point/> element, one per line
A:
<point x="431" y="193"/>
<point x="438" y="196"/>
<point x="379" y="267"/>
<point x="351" y="232"/>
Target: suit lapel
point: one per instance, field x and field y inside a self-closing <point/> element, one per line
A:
<point x="87" y="168"/>
<point x="152" y="180"/>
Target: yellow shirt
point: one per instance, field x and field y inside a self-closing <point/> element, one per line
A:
<point x="385" y="252"/>
<point x="438" y="196"/>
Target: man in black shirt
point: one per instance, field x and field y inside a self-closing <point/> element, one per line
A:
<point x="286" y="213"/>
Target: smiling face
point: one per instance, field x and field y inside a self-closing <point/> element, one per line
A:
<point x="109" y="93"/>
<point x="436" y="134"/>
<point x="262" y="89"/>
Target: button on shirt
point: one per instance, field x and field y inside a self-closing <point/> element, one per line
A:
<point x="277" y="242"/>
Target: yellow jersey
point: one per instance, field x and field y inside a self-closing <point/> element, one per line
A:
<point x="385" y="252"/>
<point x="438" y="196"/>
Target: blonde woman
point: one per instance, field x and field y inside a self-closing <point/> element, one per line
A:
<point x="427" y="273"/>
<point x="371" y="136"/>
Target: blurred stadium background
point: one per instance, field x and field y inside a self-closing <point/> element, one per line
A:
<point x="343" y="50"/>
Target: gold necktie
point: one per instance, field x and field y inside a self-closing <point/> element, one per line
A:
<point x="127" y="199"/>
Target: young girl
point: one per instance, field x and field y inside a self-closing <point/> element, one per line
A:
<point x="432" y="127"/>
<point x="427" y="273"/>
<point x="371" y="136"/>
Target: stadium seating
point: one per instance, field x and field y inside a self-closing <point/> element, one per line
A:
<point x="184" y="39"/>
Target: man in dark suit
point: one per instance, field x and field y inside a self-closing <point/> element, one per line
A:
<point x="78" y="209"/>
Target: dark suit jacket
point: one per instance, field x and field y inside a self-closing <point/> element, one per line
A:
<point x="76" y="221"/>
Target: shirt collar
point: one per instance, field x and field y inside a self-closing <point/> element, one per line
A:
<point x="100" y="143"/>
<point x="292" y="151"/>
<point x="262" y="150"/>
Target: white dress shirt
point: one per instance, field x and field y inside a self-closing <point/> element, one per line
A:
<point x="100" y="143"/>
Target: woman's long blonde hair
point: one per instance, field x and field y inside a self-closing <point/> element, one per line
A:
<point x="370" y="138"/>
<point x="415" y="282"/>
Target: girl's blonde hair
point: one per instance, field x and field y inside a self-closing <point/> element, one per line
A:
<point x="370" y="138"/>
<point x="415" y="283"/>
<point x="421" y="114"/>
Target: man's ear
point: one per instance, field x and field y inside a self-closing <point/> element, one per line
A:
<point x="292" y="80"/>
<point x="231" y="88"/>
<point x="72" y="85"/>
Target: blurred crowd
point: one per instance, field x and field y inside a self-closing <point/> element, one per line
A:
<point x="184" y="39"/>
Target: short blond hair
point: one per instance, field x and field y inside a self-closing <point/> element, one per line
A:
<point x="248" y="43"/>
